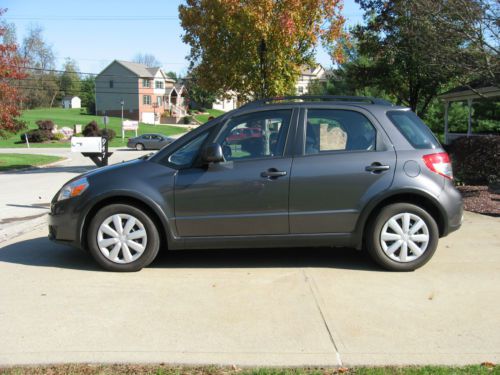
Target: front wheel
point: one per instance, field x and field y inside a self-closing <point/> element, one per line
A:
<point x="123" y="238"/>
<point x="402" y="237"/>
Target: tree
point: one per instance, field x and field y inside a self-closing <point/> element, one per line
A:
<point x="88" y="94"/>
<point x="70" y="80"/>
<point x="198" y="96"/>
<point x="257" y="48"/>
<point x="9" y="32"/>
<point x="147" y="59"/>
<point x="476" y="22"/>
<point x="401" y="50"/>
<point x="172" y="75"/>
<point x="42" y="85"/>
<point x="10" y="73"/>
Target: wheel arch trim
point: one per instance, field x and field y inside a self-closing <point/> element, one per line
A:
<point x="125" y="197"/>
<point x="410" y="195"/>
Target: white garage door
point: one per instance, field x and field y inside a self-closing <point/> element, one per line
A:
<point x="148" y="117"/>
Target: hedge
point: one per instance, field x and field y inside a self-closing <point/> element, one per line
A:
<point x="476" y="160"/>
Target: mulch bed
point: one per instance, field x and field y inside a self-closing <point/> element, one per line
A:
<point x="480" y="199"/>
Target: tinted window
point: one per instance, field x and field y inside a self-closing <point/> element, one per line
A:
<point x="255" y="135"/>
<point x="338" y="130"/>
<point x="187" y="153"/>
<point x="413" y="129"/>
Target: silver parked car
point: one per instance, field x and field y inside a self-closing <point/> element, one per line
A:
<point x="149" y="142"/>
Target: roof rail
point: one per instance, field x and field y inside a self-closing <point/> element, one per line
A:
<point x="325" y="98"/>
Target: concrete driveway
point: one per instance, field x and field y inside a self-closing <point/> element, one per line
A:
<point x="262" y="307"/>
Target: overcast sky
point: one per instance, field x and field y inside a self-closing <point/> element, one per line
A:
<point x="95" y="32"/>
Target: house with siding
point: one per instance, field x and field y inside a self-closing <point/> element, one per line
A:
<point x="309" y="75"/>
<point x="147" y="94"/>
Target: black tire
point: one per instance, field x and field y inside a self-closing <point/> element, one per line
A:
<point x="139" y="147"/>
<point x="152" y="245"/>
<point x="374" y="231"/>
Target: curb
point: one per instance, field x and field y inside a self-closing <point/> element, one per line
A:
<point x="36" y="167"/>
<point x="13" y="231"/>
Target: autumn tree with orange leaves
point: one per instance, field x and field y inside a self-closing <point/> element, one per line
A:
<point x="230" y="38"/>
<point x="10" y="72"/>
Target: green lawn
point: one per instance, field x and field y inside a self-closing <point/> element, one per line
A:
<point x="211" y="112"/>
<point x="69" y="117"/>
<point x="16" y="161"/>
<point x="213" y="370"/>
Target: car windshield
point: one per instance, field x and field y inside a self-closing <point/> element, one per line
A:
<point x="414" y="129"/>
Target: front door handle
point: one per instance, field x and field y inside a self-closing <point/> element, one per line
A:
<point x="273" y="173"/>
<point x="377" y="167"/>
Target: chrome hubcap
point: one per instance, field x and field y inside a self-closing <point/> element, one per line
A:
<point x="404" y="237"/>
<point x="122" y="238"/>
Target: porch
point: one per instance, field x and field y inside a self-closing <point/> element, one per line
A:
<point x="470" y="96"/>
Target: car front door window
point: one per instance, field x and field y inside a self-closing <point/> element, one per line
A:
<point x="187" y="154"/>
<point x="255" y="135"/>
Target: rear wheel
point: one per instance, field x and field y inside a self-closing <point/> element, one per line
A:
<point x="123" y="238"/>
<point x="139" y="147"/>
<point x="402" y="237"/>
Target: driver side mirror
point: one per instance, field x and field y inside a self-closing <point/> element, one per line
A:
<point x="212" y="153"/>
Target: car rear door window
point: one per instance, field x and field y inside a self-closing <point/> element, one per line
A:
<point x="338" y="130"/>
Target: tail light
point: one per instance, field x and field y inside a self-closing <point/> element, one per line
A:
<point x="439" y="163"/>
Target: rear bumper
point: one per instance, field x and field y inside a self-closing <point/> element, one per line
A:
<point x="452" y="202"/>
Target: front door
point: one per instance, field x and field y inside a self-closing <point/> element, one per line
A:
<point x="344" y="163"/>
<point x="248" y="193"/>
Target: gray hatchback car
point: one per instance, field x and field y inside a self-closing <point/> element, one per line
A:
<point x="295" y="171"/>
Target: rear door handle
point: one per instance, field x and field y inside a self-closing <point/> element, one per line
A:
<point x="377" y="167"/>
<point x="273" y="173"/>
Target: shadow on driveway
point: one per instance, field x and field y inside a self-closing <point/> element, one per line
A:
<point x="43" y="253"/>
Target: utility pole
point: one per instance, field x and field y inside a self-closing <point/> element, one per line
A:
<point x="263" y="67"/>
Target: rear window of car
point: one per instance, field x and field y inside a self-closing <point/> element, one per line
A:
<point x="413" y="129"/>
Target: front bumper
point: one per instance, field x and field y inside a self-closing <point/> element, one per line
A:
<point x="64" y="222"/>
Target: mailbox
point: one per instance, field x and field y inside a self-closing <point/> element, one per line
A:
<point x="86" y="144"/>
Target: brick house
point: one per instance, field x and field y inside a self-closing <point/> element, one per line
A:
<point x="147" y="94"/>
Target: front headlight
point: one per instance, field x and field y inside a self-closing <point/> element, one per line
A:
<point x="73" y="189"/>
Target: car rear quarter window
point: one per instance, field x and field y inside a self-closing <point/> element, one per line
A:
<point x="413" y="129"/>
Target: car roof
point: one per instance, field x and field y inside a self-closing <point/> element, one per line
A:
<point x="321" y="100"/>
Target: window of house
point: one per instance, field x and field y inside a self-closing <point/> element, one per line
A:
<point x="146" y="82"/>
<point x="301" y="90"/>
<point x="338" y="130"/>
<point x="111" y="84"/>
<point x="159" y="84"/>
<point x="255" y="135"/>
<point x="159" y="101"/>
<point x="146" y="99"/>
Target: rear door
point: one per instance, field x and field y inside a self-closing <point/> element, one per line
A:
<point x="344" y="159"/>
